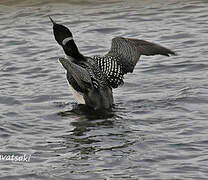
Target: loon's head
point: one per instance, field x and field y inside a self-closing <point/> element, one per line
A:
<point x="64" y="38"/>
<point x="61" y="33"/>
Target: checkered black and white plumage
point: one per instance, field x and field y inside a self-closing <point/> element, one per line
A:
<point x="97" y="75"/>
<point x="111" y="69"/>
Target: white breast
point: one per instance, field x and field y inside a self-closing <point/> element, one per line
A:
<point x="78" y="96"/>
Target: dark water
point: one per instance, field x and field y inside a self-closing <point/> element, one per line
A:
<point x="159" y="126"/>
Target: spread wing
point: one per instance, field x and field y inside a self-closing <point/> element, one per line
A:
<point x="77" y="76"/>
<point x="128" y="51"/>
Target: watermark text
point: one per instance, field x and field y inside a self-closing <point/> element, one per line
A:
<point x="15" y="158"/>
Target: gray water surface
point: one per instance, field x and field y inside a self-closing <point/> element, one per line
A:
<point x="159" y="126"/>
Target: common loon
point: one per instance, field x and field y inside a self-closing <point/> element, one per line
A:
<point x="93" y="78"/>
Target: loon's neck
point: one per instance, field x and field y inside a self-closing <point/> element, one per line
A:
<point x="71" y="49"/>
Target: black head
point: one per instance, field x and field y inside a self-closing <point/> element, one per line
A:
<point x="64" y="38"/>
<point x="60" y="32"/>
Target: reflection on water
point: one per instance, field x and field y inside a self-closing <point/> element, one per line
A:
<point x="89" y="113"/>
<point x="158" y="127"/>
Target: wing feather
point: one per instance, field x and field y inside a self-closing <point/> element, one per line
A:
<point x="79" y="74"/>
<point x="128" y="51"/>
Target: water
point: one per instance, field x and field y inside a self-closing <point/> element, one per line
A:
<point x="158" y="128"/>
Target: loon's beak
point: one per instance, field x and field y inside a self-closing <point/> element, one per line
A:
<point x="52" y="20"/>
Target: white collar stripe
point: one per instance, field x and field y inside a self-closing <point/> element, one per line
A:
<point x="66" y="40"/>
